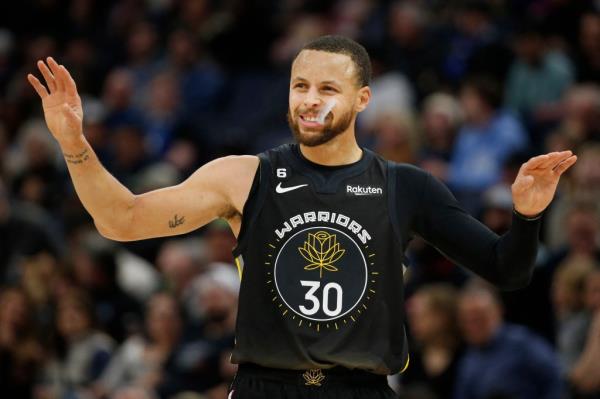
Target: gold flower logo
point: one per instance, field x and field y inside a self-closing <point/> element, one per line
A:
<point x="313" y="377"/>
<point x="321" y="249"/>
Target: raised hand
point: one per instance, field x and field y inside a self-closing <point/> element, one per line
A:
<point x="536" y="182"/>
<point x="60" y="100"/>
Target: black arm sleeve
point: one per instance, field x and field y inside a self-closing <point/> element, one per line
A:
<point x="506" y="261"/>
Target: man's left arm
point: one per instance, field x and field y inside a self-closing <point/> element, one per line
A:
<point x="506" y="261"/>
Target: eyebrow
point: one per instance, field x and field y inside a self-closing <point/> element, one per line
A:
<point x="325" y="82"/>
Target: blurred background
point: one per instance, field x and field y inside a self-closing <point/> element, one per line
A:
<point x="468" y="90"/>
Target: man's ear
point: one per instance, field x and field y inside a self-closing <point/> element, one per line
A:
<point x="363" y="98"/>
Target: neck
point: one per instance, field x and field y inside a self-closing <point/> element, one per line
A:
<point x="341" y="150"/>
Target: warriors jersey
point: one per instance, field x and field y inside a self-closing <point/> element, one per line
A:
<point x="320" y="256"/>
<point x="321" y="250"/>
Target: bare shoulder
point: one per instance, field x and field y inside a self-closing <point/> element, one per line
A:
<point x="232" y="176"/>
<point x="236" y="168"/>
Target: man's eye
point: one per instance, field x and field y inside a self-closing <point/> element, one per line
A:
<point x="299" y="85"/>
<point x="329" y="88"/>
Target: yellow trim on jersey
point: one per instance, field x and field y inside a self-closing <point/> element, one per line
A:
<point x="406" y="365"/>
<point x="239" y="267"/>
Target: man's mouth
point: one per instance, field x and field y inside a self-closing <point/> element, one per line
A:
<point x="310" y="121"/>
<point x="309" y="118"/>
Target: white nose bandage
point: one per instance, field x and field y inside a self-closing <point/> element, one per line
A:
<point x="325" y="111"/>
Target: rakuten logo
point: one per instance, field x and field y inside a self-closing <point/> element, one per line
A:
<point x="362" y="190"/>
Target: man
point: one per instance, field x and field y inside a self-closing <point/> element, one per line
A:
<point x="322" y="226"/>
<point x="502" y="360"/>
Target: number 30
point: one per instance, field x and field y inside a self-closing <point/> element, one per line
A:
<point x="314" y="285"/>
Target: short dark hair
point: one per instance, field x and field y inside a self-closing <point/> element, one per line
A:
<point x="343" y="45"/>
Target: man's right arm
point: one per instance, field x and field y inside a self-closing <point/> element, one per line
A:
<point x="214" y="190"/>
<point x="217" y="189"/>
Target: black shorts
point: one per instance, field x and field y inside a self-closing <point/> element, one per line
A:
<point x="256" y="382"/>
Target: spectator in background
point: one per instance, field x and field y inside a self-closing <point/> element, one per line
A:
<point x="581" y="121"/>
<point x="117" y="96"/>
<point x="161" y="110"/>
<point x="82" y="351"/>
<point x="197" y="363"/>
<point x="587" y="55"/>
<point x="95" y="269"/>
<point x="200" y="80"/>
<point x="412" y="48"/>
<point x="392" y="94"/>
<point x="440" y="119"/>
<point x="584" y="376"/>
<point x="20" y="237"/>
<point x="94" y="124"/>
<point x="33" y="168"/>
<point x="582" y="186"/>
<point x="140" y="360"/>
<point x="502" y="360"/>
<point x="220" y="242"/>
<point x="352" y="18"/>
<point x="142" y="56"/>
<point x="83" y="59"/>
<point x="469" y="40"/>
<point x="579" y="130"/>
<point x="582" y="227"/>
<point x="431" y="315"/>
<point x="183" y="155"/>
<point x="203" y="18"/>
<point x="395" y="136"/>
<point x="484" y="143"/>
<point x="41" y="274"/>
<point x="497" y="208"/>
<point x="21" y="354"/>
<point x="538" y="79"/>
<point x="300" y="29"/>
<point x="181" y="262"/>
<point x="572" y="319"/>
<point x="128" y="152"/>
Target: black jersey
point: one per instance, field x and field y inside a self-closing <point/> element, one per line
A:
<point x="321" y="253"/>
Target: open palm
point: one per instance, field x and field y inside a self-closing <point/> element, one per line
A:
<point x="60" y="100"/>
<point x="536" y="182"/>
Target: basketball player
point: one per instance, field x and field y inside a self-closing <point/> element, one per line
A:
<point x="322" y="226"/>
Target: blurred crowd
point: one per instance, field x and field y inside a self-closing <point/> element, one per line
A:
<point x="466" y="89"/>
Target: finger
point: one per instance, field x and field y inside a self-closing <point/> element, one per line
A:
<point x="534" y="163"/>
<point x="70" y="86"/>
<point x="565" y="165"/>
<point x="556" y="158"/>
<point x="549" y="160"/>
<point x="55" y="68"/>
<point x="48" y="76"/>
<point x="38" y="86"/>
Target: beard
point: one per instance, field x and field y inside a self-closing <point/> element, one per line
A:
<point x="329" y="131"/>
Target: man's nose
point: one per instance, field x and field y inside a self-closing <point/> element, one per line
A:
<point x="312" y="99"/>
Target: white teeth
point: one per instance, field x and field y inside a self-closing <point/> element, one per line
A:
<point x="310" y="118"/>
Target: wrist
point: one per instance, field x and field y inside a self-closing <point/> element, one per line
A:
<point x="73" y="145"/>
<point x="525" y="216"/>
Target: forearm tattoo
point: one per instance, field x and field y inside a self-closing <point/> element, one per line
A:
<point x="77" y="158"/>
<point x="176" y="221"/>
